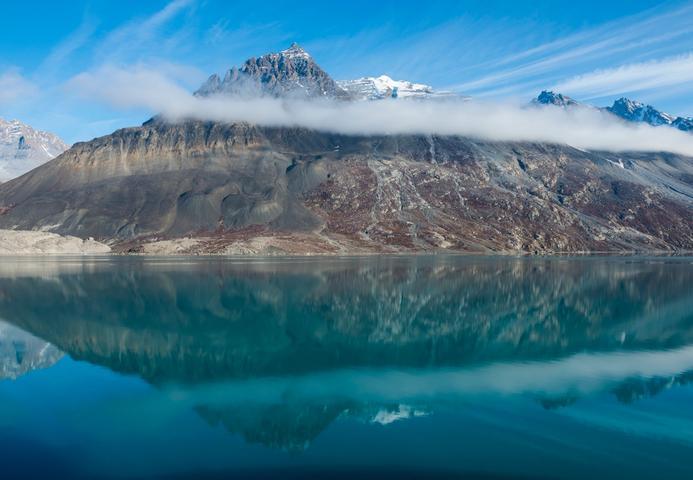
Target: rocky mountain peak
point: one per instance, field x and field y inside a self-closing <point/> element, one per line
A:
<point x="547" y="97"/>
<point x="289" y="73"/>
<point x="683" y="123"/>
<point x="295" y="51"/>
<point x="634" y="111"/>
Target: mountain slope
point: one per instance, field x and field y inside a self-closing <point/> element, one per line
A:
<point x="23" y="148"/>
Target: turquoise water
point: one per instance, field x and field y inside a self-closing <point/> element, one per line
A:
<point x="399" y="367"/>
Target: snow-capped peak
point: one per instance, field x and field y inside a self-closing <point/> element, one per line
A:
<point x="633" y="111"/>
<point x="547" y="97"/>
<point x="23" y="148"/>
<point x="376" y="88"/>
<point x="295" y="51"/>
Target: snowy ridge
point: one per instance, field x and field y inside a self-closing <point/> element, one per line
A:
<point x="378" y="88"/>
<point x="638" y="112"/>
<point x="23" y="148"/>
<point x="624" y="108"/>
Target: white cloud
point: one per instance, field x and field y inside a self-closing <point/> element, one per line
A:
<point x="139" y="87"/>
<point x="632" y="77"/>
<point x="15" y="87"/>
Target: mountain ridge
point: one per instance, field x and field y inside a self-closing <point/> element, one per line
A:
<point x="623" y="108"/>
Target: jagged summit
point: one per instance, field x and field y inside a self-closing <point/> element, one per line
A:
<point x="624" y="108"/>
<point x="548" y="97"/>
<point x="638" y="112"/>
<point x="295" y="51"/>
<point x="289" y="73"/>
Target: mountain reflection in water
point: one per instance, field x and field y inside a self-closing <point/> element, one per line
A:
<point x="278" y="350"/>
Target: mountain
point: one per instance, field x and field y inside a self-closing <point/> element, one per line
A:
<point x="624" y="108"/>
<point x="685" y="124"/>
<point x="291" y="72"/>
<point x="637" y="112"/>
<point x="206" y="187"/>
<point x="378" y="88"/>
<point x="547" y="97"/>
<point x="23" y="148"/>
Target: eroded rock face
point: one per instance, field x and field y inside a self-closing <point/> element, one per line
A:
<point x="228" y="185"/>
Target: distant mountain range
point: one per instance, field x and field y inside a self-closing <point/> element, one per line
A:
<point x="210" y="187"/>
<point x="23" y="148"/>
<point x="624" y="108"/>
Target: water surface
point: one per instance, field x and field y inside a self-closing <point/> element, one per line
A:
<point x="398" y="367"/>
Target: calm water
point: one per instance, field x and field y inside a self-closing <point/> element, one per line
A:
<point x="435" y="367"/>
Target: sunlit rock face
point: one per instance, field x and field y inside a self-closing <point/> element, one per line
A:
<point x="21" y="352"/>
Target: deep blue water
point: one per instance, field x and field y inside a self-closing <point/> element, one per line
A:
<point x="398" y="367"/>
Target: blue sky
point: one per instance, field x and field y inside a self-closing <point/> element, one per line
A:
<point x="593" y="50"/>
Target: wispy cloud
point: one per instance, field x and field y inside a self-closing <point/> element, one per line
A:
<point x="145" y="36"/>
<point x="633" y="77"/>
<point x="61" y="53"/>
<point x="15" y="87"/>
<point x="584" y="128"/>
<point x="548" y="63"/>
